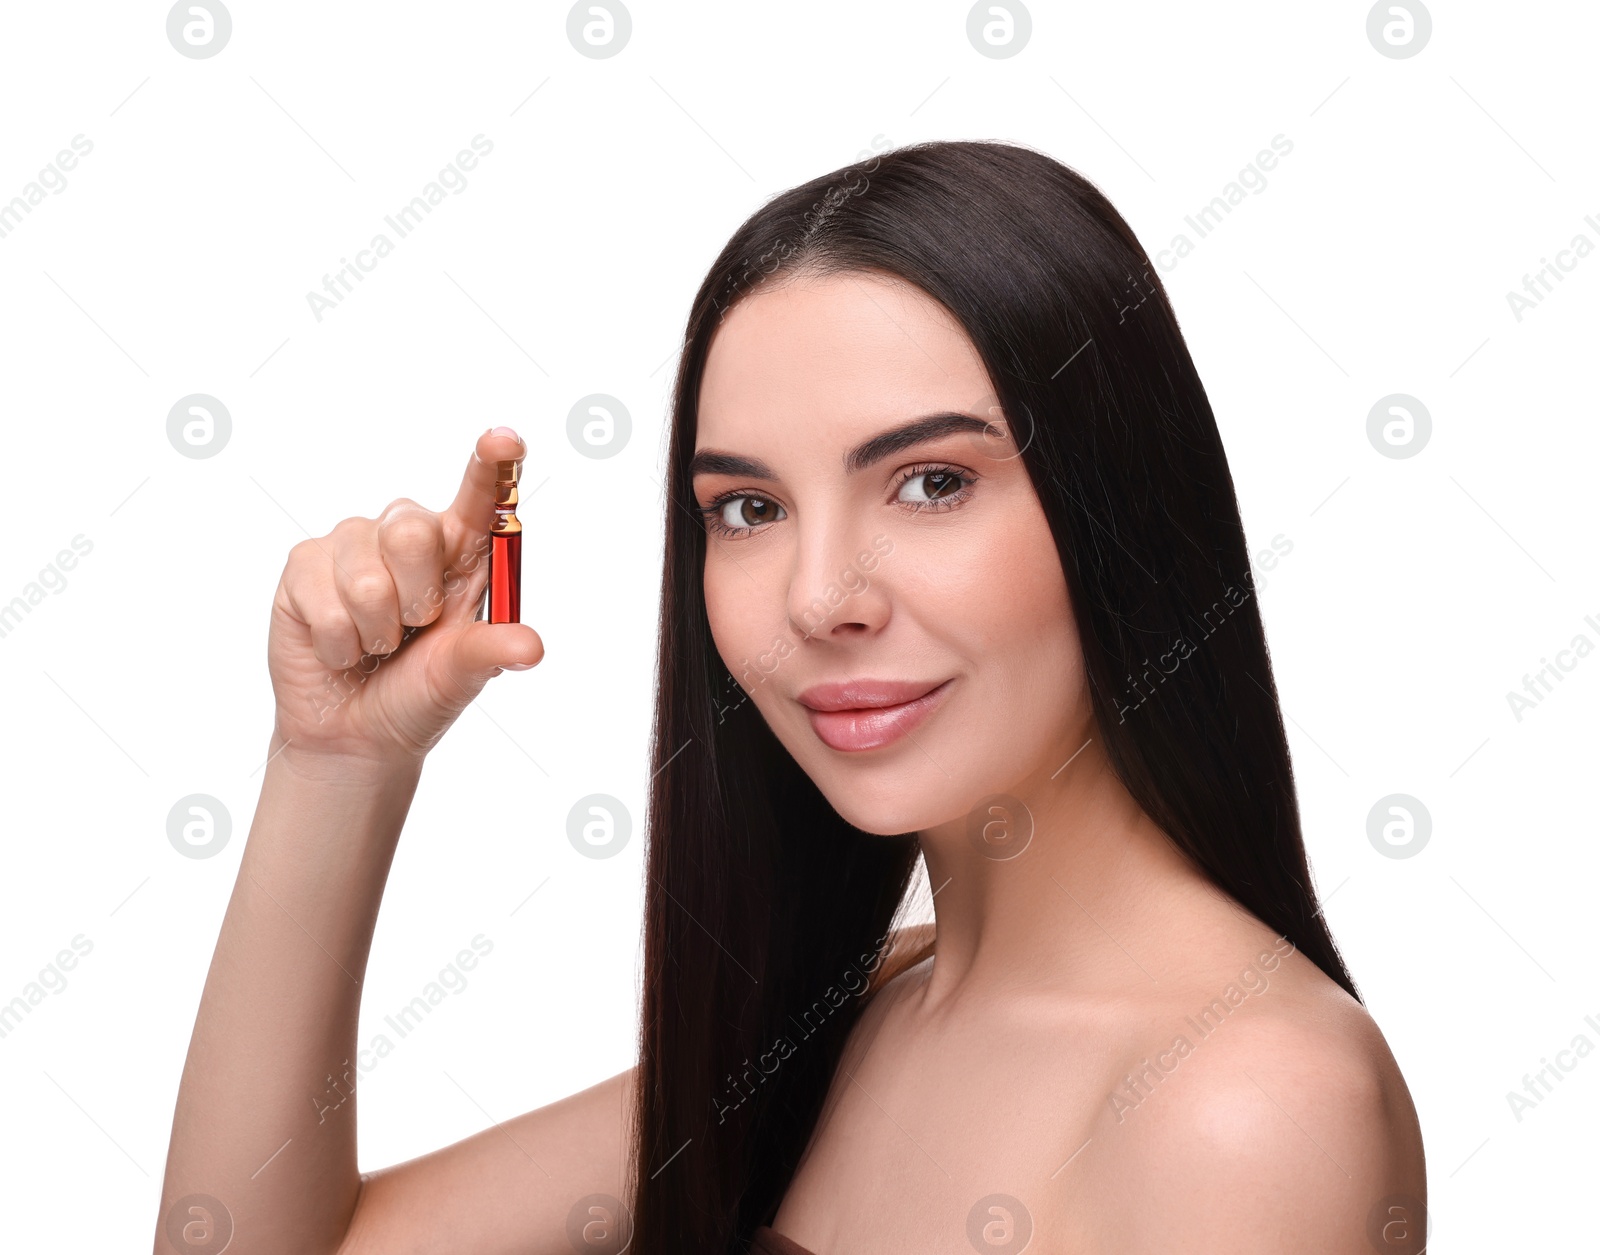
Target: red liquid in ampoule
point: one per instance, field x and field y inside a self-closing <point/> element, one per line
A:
<point x="505" y="577"/>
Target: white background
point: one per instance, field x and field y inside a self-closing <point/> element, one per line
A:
<point x="177" y="259"/>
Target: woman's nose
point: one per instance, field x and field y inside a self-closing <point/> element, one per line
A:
<point x="837" y="583"/>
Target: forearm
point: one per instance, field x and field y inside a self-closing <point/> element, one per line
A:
<point x="259" y="1125"/>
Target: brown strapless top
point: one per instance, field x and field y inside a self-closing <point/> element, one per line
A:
<point x="767" y="1241"/>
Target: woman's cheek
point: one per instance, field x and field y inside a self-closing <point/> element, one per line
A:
<point x="723" y="635"/>
<point x="743" y="644"/>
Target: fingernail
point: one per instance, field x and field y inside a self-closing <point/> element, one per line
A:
<point x="503" y="431"/>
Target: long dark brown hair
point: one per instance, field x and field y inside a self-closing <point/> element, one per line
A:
<point x="764" y="910"/>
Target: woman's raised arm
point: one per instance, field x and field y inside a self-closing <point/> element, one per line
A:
<point x="373" y="652"/>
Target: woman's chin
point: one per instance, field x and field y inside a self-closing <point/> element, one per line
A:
<point x="887" y="816"/>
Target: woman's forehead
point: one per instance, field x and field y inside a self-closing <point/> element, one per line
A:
<point x="831" y="357"/>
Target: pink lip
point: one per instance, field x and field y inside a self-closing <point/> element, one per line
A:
<point x="865" y="714"/>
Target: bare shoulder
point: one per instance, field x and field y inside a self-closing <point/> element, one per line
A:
<point x="1284" y="1123"/>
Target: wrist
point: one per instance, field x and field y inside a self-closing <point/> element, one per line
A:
<point x="338" y="769"/>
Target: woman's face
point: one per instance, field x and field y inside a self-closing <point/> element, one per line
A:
<point x="866" y="568"/>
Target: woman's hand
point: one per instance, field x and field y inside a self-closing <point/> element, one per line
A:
<point x="373" y="648"/>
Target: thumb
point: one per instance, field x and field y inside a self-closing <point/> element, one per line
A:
<point x="480" y="650"/>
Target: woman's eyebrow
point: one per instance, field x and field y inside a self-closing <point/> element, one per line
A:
<point x="872" y="450"/>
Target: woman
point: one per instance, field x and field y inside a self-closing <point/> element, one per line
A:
<point x="954" y="566"/>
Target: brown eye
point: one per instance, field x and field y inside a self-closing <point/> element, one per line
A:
<point x="742" y="514"/>
<point x="935" y="485"/>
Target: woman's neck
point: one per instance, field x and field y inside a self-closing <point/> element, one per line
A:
<point x="1087" y="905"/>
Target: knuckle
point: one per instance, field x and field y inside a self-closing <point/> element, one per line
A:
<point x="412" y="531"/>
<point x="370" y="588"/>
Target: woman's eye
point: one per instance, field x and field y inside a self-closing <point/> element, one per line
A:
<point x="933" y="485"/>
<point x="923" y="488"/>
<point x="741" y="513"/>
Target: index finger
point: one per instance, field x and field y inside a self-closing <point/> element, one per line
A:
<point x="471" y="514"/>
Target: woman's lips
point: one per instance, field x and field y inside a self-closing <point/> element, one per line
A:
<point x="866" y="728"/>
